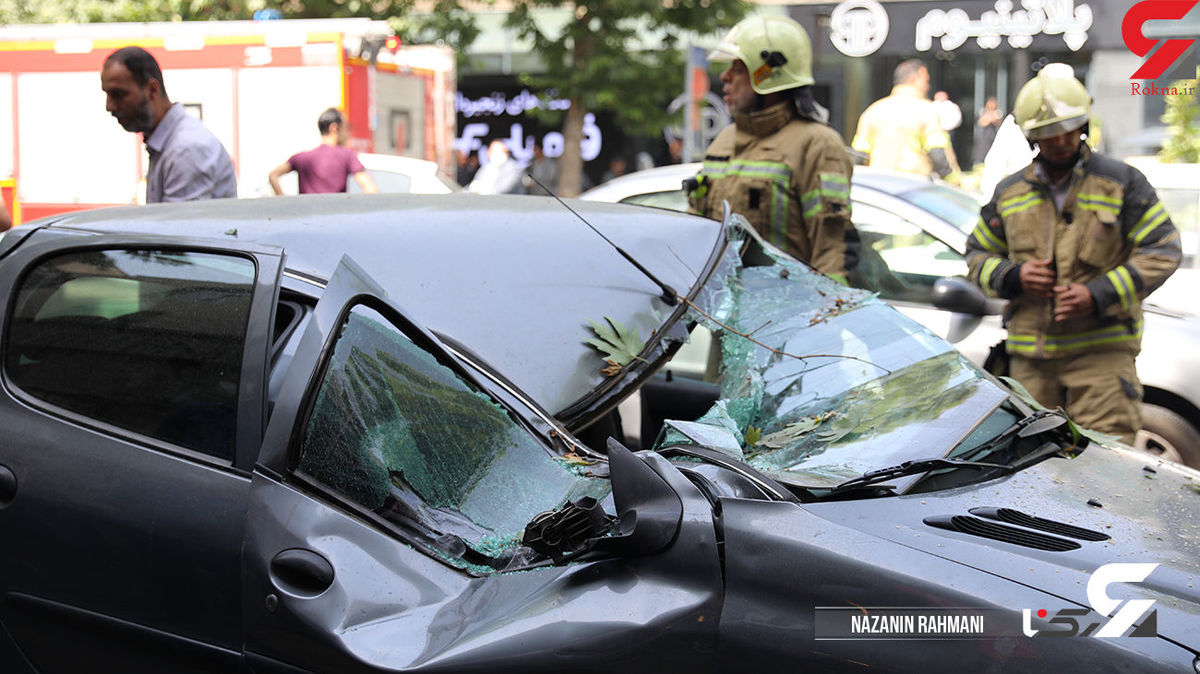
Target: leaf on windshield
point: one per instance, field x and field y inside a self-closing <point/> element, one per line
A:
<point x="1076" y="430"/>
<point x="1093" y="435"/>
<point x="844" y="425"/>
<point x="794" y="431"/>
<point x="619" y="344"/>
<point x="829" y="312"/>
<point x="753" y="436"/>
<point x="1022" y="392"/>
<point x="573" y="459"/>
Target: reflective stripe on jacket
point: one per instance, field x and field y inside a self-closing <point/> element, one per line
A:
<point x="790" y="178"/>
<point x="1112" y="235"/>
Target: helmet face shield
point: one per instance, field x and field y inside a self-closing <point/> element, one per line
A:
<point x="727" y="49"/>
<point x="1050" y="130"/>
<point x="719" y="55"/>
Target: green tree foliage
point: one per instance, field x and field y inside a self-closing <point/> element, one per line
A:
<point x="448" y="23"/>
<point x="620" y="55"/>
<point x="1183" y="135"/>
<point x="95" y="11"/>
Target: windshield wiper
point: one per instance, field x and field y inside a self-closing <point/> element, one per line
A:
<point x="910" y="468"/>
<point x="1037" y="423"/>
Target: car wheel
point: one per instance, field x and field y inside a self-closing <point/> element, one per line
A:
<point x="1169" y="436"/>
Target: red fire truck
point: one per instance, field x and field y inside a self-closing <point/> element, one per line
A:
<point x="258" y="85"/>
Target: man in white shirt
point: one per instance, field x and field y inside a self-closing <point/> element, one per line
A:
<point x="187" y="162"/>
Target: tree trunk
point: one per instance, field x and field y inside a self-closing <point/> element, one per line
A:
<point x="570" y="165"/>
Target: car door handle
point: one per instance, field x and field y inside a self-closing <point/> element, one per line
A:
<point x="8" y="486"/>
<point x="301" y="572"/>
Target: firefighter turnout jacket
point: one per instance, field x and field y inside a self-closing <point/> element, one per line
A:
<point x="790" y="178"/>
<point x="1112" y="234"/>
<point x="902" y="132"/>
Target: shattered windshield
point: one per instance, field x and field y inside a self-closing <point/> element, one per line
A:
<point x="821" y="382"/>
<point x="407" y="438"/>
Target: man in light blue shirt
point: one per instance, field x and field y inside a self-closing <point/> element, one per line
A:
<point x="187" y="162"/>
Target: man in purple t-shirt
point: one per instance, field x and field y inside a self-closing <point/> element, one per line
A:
<point x="325" y="168"/>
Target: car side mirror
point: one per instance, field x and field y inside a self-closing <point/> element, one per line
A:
<point x="649" y="515"/>
<point x="957" y="294"/>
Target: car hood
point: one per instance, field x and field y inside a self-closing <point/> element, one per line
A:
<point x="1148" y="510"/>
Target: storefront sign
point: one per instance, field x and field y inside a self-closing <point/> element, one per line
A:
<point x="1171" y="50"/>
<point x="477" y="129"/>
<point x="713" y="117"/>
<point x="1049" y="17"/>
<point x="858" y="27"/>
<point x="499" y="103"/>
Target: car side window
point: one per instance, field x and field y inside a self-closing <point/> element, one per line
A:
<point x="675" y="200"/>
<point x="898" y="259"/>
<point x="150" y="341"/>
<point x="407" y="438"/>
<point x="387" y="182"/>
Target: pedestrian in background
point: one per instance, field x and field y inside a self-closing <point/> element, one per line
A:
<point x="780" y="164"/>
<point x="990" y="118"/>
<point x="949" y="114"/>
<point x="500" y="175"/>
<point x="675" y="151"/>
<point x="1075" y="242"/>
<point x="542" y="175"/>
<point x="187" y="162"/>
<point x="617" y="167"/>
<point x="6" y="222"/>
<point x="466" y="164"/>
<point x="325" y="168"/>
<point x="902" y="131"/>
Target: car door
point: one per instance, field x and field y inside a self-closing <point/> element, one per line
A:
<point x="902" y="260"/>
<point x="133" y="406"/>
<point x="391" y="490"/>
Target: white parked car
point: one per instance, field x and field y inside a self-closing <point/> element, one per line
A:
<point x="917" y="230"/>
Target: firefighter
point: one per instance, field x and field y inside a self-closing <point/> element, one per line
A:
<point x="903" y="131"/>
<point x="780" y="164"/>
<point x="1075" y="242"/>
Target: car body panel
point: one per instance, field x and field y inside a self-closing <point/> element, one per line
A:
<point x="553" y="619"/>
<point x="172" y="517"/>
<point x="822" y="556"/>
<point x="1104" y="490"/>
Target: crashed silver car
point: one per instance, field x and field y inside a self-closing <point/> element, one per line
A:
<point x="377" y="434"/>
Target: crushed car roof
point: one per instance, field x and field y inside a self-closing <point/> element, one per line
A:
<point x="508" y="276"/>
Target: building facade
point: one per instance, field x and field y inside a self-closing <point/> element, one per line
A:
<point x="974" y="49"/>
<point x="979" y="48"/>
